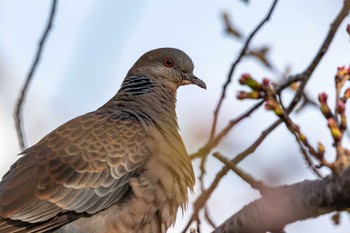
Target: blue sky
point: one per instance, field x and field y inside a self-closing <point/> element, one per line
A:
<point x="94" y="43"/>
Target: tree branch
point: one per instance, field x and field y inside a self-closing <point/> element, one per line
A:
<point x="254" y="183"/>
<point x="289" y="203"/>
<point x="18" y="110"/>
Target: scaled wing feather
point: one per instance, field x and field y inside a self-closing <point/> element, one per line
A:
<point x="83" y="166"/>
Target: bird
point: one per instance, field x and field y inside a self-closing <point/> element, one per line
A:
<point x="121" y="168"/>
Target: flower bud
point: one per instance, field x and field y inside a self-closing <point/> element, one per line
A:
<point x="273" y="106"/>
<point x="324" y="106"/>
<point x="266" y="82"/>
<point x="335" y="131"/>
<point x="248" y="95"/>
<point x="323" y="97"/>
<point x="341" y="107"/>
<point x="246" y="79"/>
<point x="320" y="149"/>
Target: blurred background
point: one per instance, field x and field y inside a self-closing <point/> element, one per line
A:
<point x="94" y="43"/>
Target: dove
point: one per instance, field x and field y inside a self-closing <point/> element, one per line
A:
<point x="121" y="168"/>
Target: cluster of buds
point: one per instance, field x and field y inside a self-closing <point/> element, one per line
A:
<point x="258" y="90"/>
<point x="343" y="71"/>
<point x="342" y="76"/>
<point x="335" y="127"/>
<point x="337" y="120"/>
<point x="263" y="90"/>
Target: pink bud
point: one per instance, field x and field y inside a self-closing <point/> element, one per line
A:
<point x="244" y="78"/>
<point x="341" y="106"/>
<point x="242" y="95"/>
<point x="270" y="105"/>
<point x="323" y="97"/>
<point x="266" y="82"/>
<point x="331" y="122"/>
<point x="342" y="71"/>
<point x="341" y="68"/>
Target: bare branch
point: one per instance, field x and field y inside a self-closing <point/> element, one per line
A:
<point x="254" y="183"/>
<point x="208" y="218"/>
<point x="18" y="111"/>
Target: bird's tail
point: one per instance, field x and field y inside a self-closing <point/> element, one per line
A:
<point x="16" y="226"/>
<point x="10" y="226"/>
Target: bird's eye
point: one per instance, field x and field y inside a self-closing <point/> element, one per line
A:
<point x="168" y="62"/>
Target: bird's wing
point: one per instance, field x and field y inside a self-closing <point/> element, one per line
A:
<point x="83" y="166"/>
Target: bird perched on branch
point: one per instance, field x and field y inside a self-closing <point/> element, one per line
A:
<point x="121" y="168"/>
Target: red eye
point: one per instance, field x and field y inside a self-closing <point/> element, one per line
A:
<point x="168" y="62"/>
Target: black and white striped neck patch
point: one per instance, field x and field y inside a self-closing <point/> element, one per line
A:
<point x="137" y="85"/>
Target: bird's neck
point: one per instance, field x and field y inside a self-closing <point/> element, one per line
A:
<point x="146" y="98"/>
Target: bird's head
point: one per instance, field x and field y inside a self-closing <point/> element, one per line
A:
<point x="168" y="66"/>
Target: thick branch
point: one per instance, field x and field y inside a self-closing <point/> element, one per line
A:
<point x="18" y="111"/>
<point x="290" y="203"/>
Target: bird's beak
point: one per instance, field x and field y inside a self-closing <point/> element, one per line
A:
<point x="190" y="78"/>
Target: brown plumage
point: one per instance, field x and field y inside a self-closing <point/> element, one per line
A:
<point x="121" y="168"/>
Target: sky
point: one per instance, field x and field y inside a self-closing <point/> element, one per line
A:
<point x="94" y="43"/>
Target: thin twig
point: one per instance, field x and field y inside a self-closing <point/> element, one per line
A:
<point x="306" y="101"/>
<point x="233" y="67"/>
<point x="305" y="76"/>
<point x="208" y="218"/>
<point x="254" y="183"/>
<point x="205" y="150"/>
<point x="291" y="127"/>
<point x="198" y="226"/>
<point x="294" y="129"/>
<point x="306" y="157"/>
<point x="18" y="110"/>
